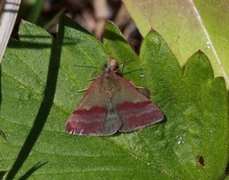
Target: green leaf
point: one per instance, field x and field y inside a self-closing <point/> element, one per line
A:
<point x="117" y="48"/>
<point x="188" y="26"/>
<point x="190" y="143"/>
<point x="191" y="101"/>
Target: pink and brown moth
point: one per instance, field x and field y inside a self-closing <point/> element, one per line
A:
<point x="112" y="104"/>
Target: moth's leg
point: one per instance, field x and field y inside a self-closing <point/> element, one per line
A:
<point x="91" y="80"/>
<point x="82" y="90"/>
<point x="144" y="91"/>
<point x="85" y="89"/>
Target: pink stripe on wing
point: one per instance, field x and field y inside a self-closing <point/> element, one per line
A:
<point x="138" y="115"/>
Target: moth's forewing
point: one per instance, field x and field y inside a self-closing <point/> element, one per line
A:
<point x="95" y="114"/>
<point x="136" y="110"/>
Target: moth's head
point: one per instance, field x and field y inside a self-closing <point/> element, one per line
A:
<point x="112" y="66"/>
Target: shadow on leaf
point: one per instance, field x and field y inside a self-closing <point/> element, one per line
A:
<point x="32" y="170"/>
<point x="27" y="42"/>
<point x="44" y="109"/>
<point x="0" y="86"/>
<point x="2" y="173"/>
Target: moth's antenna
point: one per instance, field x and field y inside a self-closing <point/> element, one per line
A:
<point x="134" y="70"/>
<point x="123" y="65"/>
<point x="86" y="66"/>
<point x="118" y="68"/>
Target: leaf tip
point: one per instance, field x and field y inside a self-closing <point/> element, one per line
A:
<point x="199" y="66"/>
<point x="107" y="21"/>
<point x="152" y="30"/>
<point x="199" y="52"/>
<point x="23" y="21"/>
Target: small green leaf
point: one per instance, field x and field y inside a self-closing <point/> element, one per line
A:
<point x="117" y="47"/>
<point x="191" y="143"/>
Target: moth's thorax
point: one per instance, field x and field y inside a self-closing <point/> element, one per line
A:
<point x="107" y="74"/>
<point x="109" y="83"/>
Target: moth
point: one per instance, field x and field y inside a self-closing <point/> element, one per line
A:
<point x="112" y="104"/>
